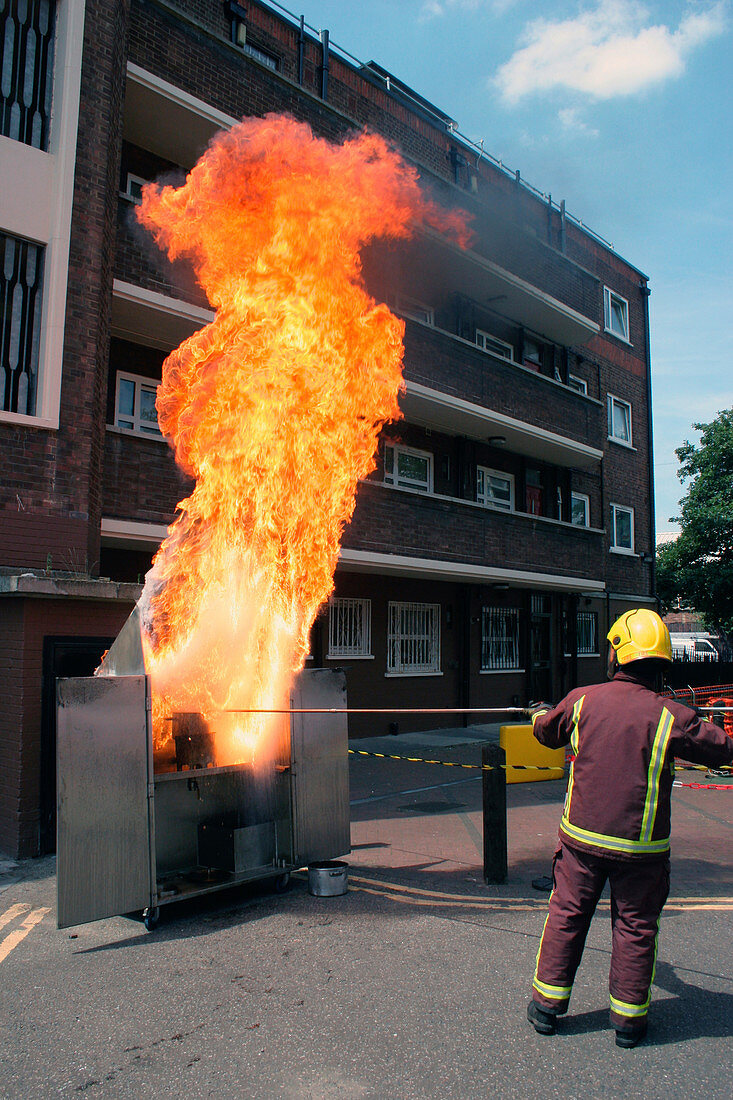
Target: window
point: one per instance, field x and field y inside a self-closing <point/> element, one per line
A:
<point x="134" y="188"/>
<point x="615" y="314"/>
<point x="413" y="638"/>
<point x="135" y="404"/>
<point x="414" y="309"/>
<point x="535" y="354"/>
<point x="578" y="384"/>
<point x="580" y="509"/>
<point x="238" y="15"/>
<point x="349" y="627"/>
<point x="27" y="71"/>
<point x="408" y="468"/>
<point x="495" y="489"/>
<point x="619" y="420"/>
<point x="587" y="634"/>
<point x="490" y="343"/>
<point x="500" y="639"/>
<point x="21" y="274"/>
<point x="622" y="529"/>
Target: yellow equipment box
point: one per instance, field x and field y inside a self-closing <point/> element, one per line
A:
<point x="521" y="747"/>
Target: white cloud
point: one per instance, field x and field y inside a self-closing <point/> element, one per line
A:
<point x="435" y="9"/>
<point x="607" y="52"/>
<point x="571" y="121"/>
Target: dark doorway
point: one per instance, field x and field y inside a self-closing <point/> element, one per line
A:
<point x="540" y="635"/>
<point x="61" y="657"/>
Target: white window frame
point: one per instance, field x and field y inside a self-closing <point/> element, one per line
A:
<point x="501" y="652"/>
<point x="417" y="638"/>
<point x="494" y="345"/>
<point x="613" y="403"/>
<point x="413" y="309"/>
<point x="349" y="628"/>
<point x="585" y="500"/>
<point x="483" y="474"/>
<point x="578" y="384"/>
<point x="128" y="193"/>
<point x="615" y="547"/>
<point x="395" y="480"/>
<point x="611" y="299"/>
<point x="139" y="381"/>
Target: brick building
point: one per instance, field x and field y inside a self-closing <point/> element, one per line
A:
<point x="510" y="516"/>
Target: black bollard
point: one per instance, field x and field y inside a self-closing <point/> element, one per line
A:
<point x="495" y="837"/>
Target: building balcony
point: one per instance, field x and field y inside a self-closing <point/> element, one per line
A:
<point x="406" y="533"/>
<point x="455" y="387"/>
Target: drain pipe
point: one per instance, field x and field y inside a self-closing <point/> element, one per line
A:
<point x="324" y="64"/>
<point x="301" y="50"/>
<point x="645" y="292"/>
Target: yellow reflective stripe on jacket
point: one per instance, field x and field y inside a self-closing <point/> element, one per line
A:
<point x="656" y="762"/>
<point x="613" y="843"/>
<point x="537" y="715"/>
<point x="574" y="742"/>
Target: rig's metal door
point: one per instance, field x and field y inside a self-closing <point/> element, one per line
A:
<point x="320" y="761"/>
<point x="104" y="823"/>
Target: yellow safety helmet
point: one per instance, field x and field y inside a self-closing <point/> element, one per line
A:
<point x="638" y="635"/>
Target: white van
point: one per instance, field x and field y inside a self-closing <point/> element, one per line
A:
<point x="696" y="646"/>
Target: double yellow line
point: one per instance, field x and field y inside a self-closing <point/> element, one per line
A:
<point x="409" y="895"/>
<point x="35" y="916"/>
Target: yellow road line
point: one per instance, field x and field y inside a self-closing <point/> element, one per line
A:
<point x="418" y="896"/>
<point x="13" y="912"/>
<point x="14" y="938"/>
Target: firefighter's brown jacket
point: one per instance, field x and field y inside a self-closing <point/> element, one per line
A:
<point x="624" y="738"/>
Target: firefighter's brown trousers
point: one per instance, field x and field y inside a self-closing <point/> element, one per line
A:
<point x="639" y="889"/>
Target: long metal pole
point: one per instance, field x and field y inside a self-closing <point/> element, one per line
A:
<point x="380" y="710"/>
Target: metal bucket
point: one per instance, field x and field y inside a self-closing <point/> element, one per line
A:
<point x="328" y="880"/>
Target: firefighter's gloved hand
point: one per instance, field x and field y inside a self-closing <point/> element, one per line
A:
<point x="533" y="709"/>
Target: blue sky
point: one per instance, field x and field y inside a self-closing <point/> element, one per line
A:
<point x="621" y="108"/>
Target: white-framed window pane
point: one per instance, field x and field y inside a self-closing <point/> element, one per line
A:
<point x="623" y="527"/>
<point x="413" y="637"/>
<point x="580" y="509"/>
<point x="619" y="419"/>
<point x="587" y="633"/>
<point x="616" y="314"/>
<point x="135" y="404"/>
<point x="499" y="639"/>
<point x="495" y="489"/>
<point x="408" y="468"/>
<point x="412" y="308"/>
<point x="349" y="627"/>
<point x="492" y="343"/>
<point x="578" y="384"/>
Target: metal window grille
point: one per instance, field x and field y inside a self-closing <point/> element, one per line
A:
<point x="349" y="628"/>
<point x="413" y="637"/>
<point x="21" y="272"/>
<point x="26" y="75"/>
<point x="587" y="632"/>
<point x="499" y="638"/>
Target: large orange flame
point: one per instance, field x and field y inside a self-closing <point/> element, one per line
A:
<point x="274" y="408"/>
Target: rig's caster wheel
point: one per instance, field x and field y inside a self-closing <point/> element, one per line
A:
<point x="151" y="918"/>
<point x="282" y="882"/>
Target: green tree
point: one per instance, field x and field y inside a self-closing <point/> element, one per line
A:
<point x="698" y="567"/>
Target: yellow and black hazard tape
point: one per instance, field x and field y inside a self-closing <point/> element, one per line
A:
<point x="453" y="764"/>
<point x="505" y="767"/>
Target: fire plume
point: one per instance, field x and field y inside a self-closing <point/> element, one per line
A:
<point x="274" y="408"/>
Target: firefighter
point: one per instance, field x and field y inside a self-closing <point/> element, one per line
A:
<point x="616" y="820"/>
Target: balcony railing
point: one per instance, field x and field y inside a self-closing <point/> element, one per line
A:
<point x="394" y="521"/>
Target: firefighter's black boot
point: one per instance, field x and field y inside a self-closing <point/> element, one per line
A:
<point x="629" y="1036"/>
<point x="543" y="1022"/>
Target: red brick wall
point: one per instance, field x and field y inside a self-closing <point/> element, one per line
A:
<point x="24" y="623"/>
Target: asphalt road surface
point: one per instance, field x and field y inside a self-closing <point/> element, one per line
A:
<point x="412" y="985"/>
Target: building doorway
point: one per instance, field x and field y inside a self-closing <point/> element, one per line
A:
<point x="540" y="648"/>
<point x="61" y="657"/>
